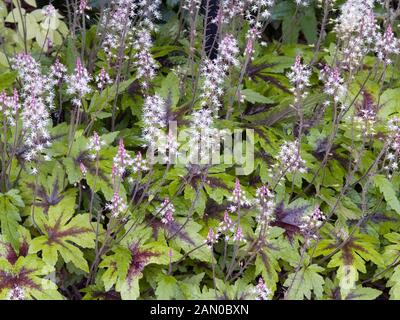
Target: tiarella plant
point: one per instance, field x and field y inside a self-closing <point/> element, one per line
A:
<point x="215" y="149"/>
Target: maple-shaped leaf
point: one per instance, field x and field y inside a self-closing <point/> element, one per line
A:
<point x="388" y="190"/>
<point x="25" y="280"/>
<point x="8" y="252"/>
<point x="394" y="284"/>
<point x="22" y="276"/>
<point x="9" y="216"/>
<point x="45" y="199"/>
<point x="124" y="267"/>
<point x="96" y="177"/>
<point x="241" y="289"/>
<point x="267" y="261"/>
<point x="363" y="293"/>
<point x="62" y="234"/>
<point x="192" y="228"/>
<point x="332" y="291"/>
<point x="391" y="256"/>
<point x="190" y="287"/>
<point x="167" y="287"/>
<point x="351" y="258"/>
<point x="303" y="283"/>
<point x="289" y="218"/>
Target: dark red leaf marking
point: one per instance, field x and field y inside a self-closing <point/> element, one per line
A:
<point x="139" y="260"/>
<point x="55" y="235"/>
<point x="22" y="279"/>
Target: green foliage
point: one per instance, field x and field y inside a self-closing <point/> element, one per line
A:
<point x="77" y="222"/>
<point x="351" y="258"/>
<point x="61" y="233"/>
<point x="386" y="187"/>
<point x="304" y="282"/>
<point x="29" y="274"/>
<point x="9" y="216"/>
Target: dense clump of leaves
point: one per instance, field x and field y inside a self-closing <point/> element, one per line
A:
<point x="94" y="203"/>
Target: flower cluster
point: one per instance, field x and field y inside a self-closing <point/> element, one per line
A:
<point x="266" y="205"/>
<point x="352" y="14"/>
<point x="169" y="149"/>
<point x="367" y="109"/>
<point x="333" y="82"/>
<point x="34" y="83"/>
<point x="238" y="198"/>
<point x="83" y="169"/>
<point x="228" y="50"/>
<point x="204" y="138"/>
<point x="154" y="120"/>
<point x="121" y="161"/>
<point x="35" y="122"/>
<point x="166" y="211"/>
<point x="213" y="72"/>
<point x="212" y="89"/>
<point x="387" y="45"/>
<point x="149" y="11"/>
<point x="16" y="293"/>
<point x="117" y="206"/>
<point x="83" y="6"/>
<point x="212" y="238"/>
<point x="238" y="235"/>
<point x="361" y="42"/>
<point x="368" y="29"/>
<point x="38" y="95"/>
<point x="10" y="106"/>
<point x="118" y="23"/>
<point x="257" y="10"/>
<point x="143" y="59"/>
<point x="302" y="3"/>
<point x="57" y="71"/>
<point x="366" y="114"/>
<point x="261" y="290"/>
<point x="289" y="158"/>
<point x="231" y="9"/>
<point x="360" y="33"/>
<point x="226" y="226"/>
<point x="299" y="76"/>
<point x="94" y="145"/>
<point x="103" y="79"/>
<point x="394" y="133"/>
<point x="49" y="11"/>
<point x="252" y="35"/>
<point x="254" y="11"/>
<point x="226" y="229"/>
<point x="139" y="164"/>
<point x="78" y="83"/>
<point x="191" y="5"/>
<point x="311" y="222"/>
<point x="393" y="154"/>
